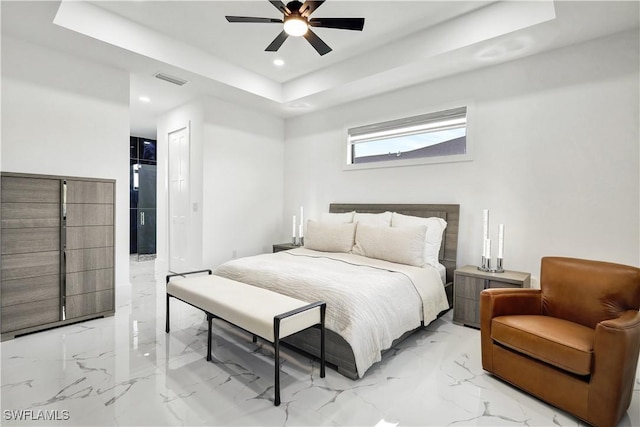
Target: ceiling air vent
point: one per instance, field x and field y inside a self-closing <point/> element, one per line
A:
<point x="171" y="79"/>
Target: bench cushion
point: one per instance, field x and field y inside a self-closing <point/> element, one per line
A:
<point x="564" y="344"/>
<point x="246" y="306"/>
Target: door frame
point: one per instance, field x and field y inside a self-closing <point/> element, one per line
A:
<point x="187" y="128"/>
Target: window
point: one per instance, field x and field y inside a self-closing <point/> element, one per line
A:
<point x="427" y="138"/>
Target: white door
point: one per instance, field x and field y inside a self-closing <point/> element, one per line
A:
<point x="178" y="200"/>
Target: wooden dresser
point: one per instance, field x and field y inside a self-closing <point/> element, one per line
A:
<point x="57" y="251"/>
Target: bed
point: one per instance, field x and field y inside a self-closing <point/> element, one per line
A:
<point x="373" y="302"/>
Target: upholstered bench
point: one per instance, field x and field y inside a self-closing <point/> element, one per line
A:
<point x="263" y="313"/>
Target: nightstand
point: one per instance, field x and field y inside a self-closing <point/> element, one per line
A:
<point x="468" y="282"/>
<point x="284" y="247"/>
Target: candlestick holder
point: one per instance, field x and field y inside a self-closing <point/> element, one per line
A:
<point x="294" y="240"/>
<point x="486" y="265"/>
<point x="302" y="241"/>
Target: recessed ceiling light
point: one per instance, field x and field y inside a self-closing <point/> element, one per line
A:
<point x="278" y="62"/>
<point x="144" y="99"/>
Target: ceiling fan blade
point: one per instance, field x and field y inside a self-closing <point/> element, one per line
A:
<point x="317" y="42"/>
<point x="340" y="23"/>
<point x="277" y="42"/>
<point x="252" y="20"/>
<point x="309" y="6"/>
<point x="281" y="7"/>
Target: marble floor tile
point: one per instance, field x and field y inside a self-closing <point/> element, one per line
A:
<point x="125" y="371"/>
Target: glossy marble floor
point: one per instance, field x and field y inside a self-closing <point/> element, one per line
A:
<point x="125" y="371"/>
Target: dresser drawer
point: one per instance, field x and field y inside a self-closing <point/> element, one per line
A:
<point x="21" y="291"/>
<point x="89" y="192"/>
<point x="89" y="259"/>
<point x="25" y="240"/>
<point x="20" y="316"/>
<point x="89" y="214"/>
<point x="95" y="236"/>
<point x="89" y="281"/>
<point x="22" y="215"/>
<point x="89" y="303"/>
<point x="30" y="190"/>
<point x="35" y="264"/>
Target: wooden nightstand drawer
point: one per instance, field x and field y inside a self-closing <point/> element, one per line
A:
<point x="471" y="310"/>
<point x="467" y="286"/>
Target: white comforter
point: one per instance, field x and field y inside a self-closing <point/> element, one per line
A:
<point x="370" y="302"/>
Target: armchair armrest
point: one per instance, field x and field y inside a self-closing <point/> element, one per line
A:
<point x="616" y="346"/>
<point x="502" y="302"/>
<point x="505" y="301"/>
<point x="630" y="319"/>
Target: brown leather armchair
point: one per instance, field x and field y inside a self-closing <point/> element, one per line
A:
<point x="574" y="343"/>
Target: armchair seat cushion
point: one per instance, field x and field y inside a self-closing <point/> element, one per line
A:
<point x="561" y="343"/>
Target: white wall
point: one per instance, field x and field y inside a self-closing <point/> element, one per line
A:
<point x="62" y="115"/>
<point x="243" y="190"/>
<point x="556" y="157"/>
<point x="237" y="171"/>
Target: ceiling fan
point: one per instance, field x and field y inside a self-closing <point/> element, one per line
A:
<point x="297" y="23"/>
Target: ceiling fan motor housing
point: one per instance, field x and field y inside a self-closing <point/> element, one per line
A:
<point x="294" y="6"/>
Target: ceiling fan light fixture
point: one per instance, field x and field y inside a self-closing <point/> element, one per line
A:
<point x="295" y="25"/>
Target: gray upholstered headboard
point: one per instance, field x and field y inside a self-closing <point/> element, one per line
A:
<point x="450" y="213"/>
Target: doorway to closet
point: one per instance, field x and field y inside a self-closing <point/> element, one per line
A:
<point x="142" y="190"/>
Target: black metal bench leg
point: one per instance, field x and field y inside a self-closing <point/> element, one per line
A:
<point x="323" y="308"/>
<point x="166" y="328"/>
<point x="276" y="347"/>
<point x="209" y="319"/>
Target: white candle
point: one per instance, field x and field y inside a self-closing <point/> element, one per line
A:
<point x="293" y="228"/>
<point x="488" y="248"/>
<point x="301" y="231"/>
<point x="301" y="215"/>
<point x="501" y="241"/>
<point x="485" y="231"/>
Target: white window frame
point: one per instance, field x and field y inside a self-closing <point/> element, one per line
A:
<point x="390" y="121"/>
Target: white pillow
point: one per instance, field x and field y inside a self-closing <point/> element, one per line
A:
<point x="403" y="245"/>
<point x="329" y="237"/>
<point x="371" y="218"/>
<point x="337" y="218"/>
<point x="433" y="239"/>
